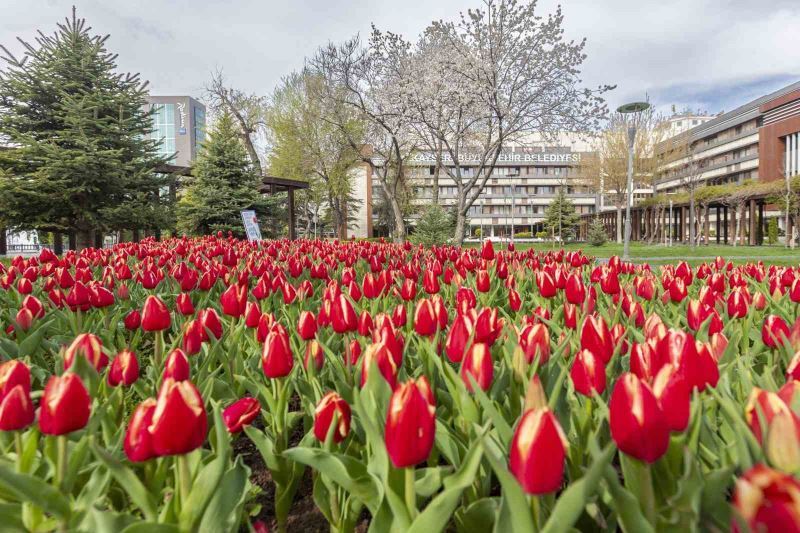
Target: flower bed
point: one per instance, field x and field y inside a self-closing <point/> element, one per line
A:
<point x="168" y="386"/>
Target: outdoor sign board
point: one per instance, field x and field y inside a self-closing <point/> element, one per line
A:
<point x="251" y="226"/>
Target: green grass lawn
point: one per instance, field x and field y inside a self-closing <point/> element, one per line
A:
<point x="657" y="253"/>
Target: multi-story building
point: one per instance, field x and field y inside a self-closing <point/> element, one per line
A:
<point x="526" y="179"/>
<point x="179" y="125"/>
<point x="680" y="122"/>
<point x="733" y="147"/>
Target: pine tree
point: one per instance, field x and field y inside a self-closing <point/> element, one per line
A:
<point x="561" y="219"/>
<point x="435" y="227"/>
<point x="82" y="158"/>
<point x="223" y="186"/>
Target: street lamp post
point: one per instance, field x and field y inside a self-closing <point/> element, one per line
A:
<point x="635" y="109"/>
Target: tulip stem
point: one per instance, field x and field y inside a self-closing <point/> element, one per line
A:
<point x="647" y="494"/>
<point x="185" y="483"/>
<point x="18" y="445"/>
<point x="411" y="496"/>
<point x="536" y="508"/>
<point x="61" y="460"/>
<point x="158" y="351"/>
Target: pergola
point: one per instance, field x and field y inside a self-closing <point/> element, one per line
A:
<point x="273" y="185"/>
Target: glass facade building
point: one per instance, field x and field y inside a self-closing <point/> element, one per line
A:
<point x="179" y="128"/>
<point x="164" y="129"/>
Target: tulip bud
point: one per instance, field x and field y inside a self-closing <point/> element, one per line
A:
<point x="365" y="324"/>
<point x="16" y="408"/>
<point x="184" y="305"/>
<point x="276" y="357"/>
<point x="234" y="300"/>
<point x="535" y="398"/>
<point x="478" y="364"/>
<point x="24" y="319"/>
<point x="574" y="289"/>
<point x="12" y="373"/>
<point x="782" y="444"/>
<point x="425" y="322"/>
<point x="138" y="444"/>
<point x="775" y="331"/>
<point x="767" y="500"/>
<point x="410" y="423"/>
<point x="90" y="347"/>
<point x="637" y="423"/>
<point x="65" y="405"/>
<point x="124" y="369"/>
<point x="343" y="316"/>
<point x="240" y="413"/>
<point x="179" y="422"/>
<point x="210" y="320"/>
<point x="380" y="354"/>
<point x="588" y="373"/>
<point x="672" y="393"/>
<point x="596" y="338"/>
<point x="155" y="315"/>
<point x="538" y="451"/>
<point x="176" y="366"/>
<point x="487" y="250"/>
<point x="329" y="406"/>
<point x="535" y="341"/>
<point x="314" y="353"/>
<point x="458" y="337"/>
<point x="307" y="325"/>
<point x="133" y="320"/>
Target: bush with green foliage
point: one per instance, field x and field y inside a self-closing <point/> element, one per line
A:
<point x="435" y="226"/>
<point x="772" y="230"/>
<point x="597" y="235"/>
<point x="523" y="235"/>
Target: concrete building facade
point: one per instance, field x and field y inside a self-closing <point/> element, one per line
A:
<point x="179" y="124"/>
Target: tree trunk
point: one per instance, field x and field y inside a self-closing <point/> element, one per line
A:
<point x="84" y="239"/>
<point x="692" y="232"/>
<point x="436" y="171"/>
<point x="739" y="213"/>
<point x="619" y="224"/>
<point x="399" y="224"/>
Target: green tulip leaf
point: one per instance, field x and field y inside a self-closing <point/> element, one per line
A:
<point x="27" y="488"/>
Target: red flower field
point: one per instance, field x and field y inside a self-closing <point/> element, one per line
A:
<point x="220" y="385"/>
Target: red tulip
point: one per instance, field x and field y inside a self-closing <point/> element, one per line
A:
<point x="410" y="423"/>
<point x="138" y="444"/>
<point x="478" y="364"/>
<point x="234" y="300"/>
<point x="34" y="305"/>
<point x="16" y="409"/>
<point x="535" y="340"/>
<point x="12" y="373"/>
<point x="637" y="423"/>
<point x="65" y="405"/>
<point x="767" y="500"/>
<point x="774" y="331"/>
<point x="458" y="337"/>
<point x="574" y="289"/>
<point x="179" y="423"/>
<point x="487" y="250"/>
<point x="252" y="315"/>
<point x="343" y="316"/>
<point x="482" y="281"/>
<point x="425" y="322"/>
<point x="307" y="325"/>
<point x="24" y="319"/>
<point x="329" y="406"/>
<point x="90" y="347"/>
<point x="430" y="282"/>
<point x="176" y="366"/>
<point x="538" y="451"/>
<point x="133" y="320"/>
<point x="155" y="315"/>
<point x="365" y="324"/>
<point x="210" y="320"/>
<point x="380" y="354"/>
<point x="183" y="303"/>
<point x="588" y="373"/>
<point x="737" y="304"/>
<point x="596" y="338"/>
<point x="240" y="413"/>
<point x="276" y="357"/>
<point x="315" y="353"/>
<point x="546" y="284"/>
<point x="124" y="369"/>
<point x="673" y="396"/>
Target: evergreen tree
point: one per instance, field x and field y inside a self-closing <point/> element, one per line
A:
<point x="82" y="158"/>
<point x="435" y="227"/>
<point x="223" y="186"/>
<point x="561" y="219"/>
<point x="597" y="235"/>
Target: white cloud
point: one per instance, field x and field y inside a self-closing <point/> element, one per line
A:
<point x="686" y="50"/>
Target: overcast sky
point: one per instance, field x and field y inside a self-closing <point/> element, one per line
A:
<point x="706" y="54"/>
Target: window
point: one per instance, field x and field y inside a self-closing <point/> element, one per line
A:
<point x="164" y="129"/>
<point x="199" y="126"/>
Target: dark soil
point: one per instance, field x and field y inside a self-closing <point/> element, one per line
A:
<point x="304" y="515"/>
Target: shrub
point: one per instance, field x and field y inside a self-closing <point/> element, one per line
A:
<point x="523" y="235"/>
<point x="597" y="235"/>
<point x="772" y="231"/>
<point x="434" y="227"/>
